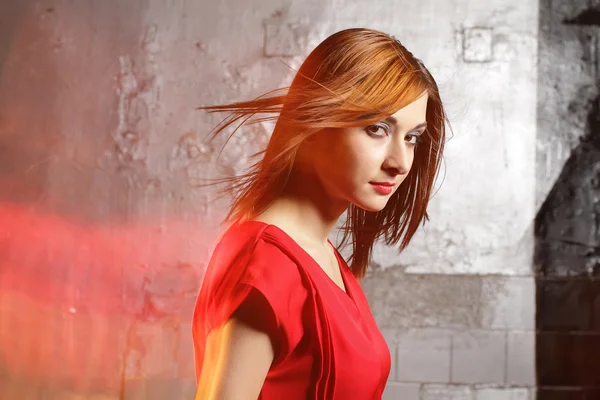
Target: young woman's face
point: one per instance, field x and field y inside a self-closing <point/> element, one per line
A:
<point x="366" y="165"/>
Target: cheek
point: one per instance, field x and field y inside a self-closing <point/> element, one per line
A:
<point x="365" y="155"/>
<point x="412" y="158"/>
<point x="357" y="165"/>
<point x="336" y="169"/>
<point x="349" y="159"/>
<point x="352" y="156"/>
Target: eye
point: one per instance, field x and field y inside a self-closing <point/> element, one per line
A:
<point x="413" y="139"/>
<point x="377" y="131"/>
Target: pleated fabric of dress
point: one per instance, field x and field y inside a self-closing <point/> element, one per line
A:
<point x="327" y="343"/>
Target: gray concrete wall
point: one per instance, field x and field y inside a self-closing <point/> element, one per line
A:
<point x="106" y="233"/>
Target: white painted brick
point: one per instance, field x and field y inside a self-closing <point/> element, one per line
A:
<point x="520" y="368"/>
<point x="479" y="357"/>
<point x="533" y="394"/>
<point x="424" y="356"/>
<point x="390" y="336"/>
<point x="402" y="391"/>
<point x="508" y="303"/>
<point x="446" y="392"/>
<point x="502" y="394"/>
<point x="401" y="301"/>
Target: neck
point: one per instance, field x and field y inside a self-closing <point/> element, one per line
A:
<point x="306" y="208"/>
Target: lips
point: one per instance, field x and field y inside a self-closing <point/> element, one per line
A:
<point x="383" y="187"/>
<point x="382" y="183"/>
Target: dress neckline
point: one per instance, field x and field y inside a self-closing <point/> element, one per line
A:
<point x="346" y="291"/>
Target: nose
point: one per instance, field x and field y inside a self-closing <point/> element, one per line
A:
<point x="399" y="159"/>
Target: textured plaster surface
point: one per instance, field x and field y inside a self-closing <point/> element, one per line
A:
<point x="481" y="217"/>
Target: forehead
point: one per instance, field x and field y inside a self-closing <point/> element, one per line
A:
<point x="413" y="113"/>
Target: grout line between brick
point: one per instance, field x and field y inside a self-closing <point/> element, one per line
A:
<point x="451" y="375"/>
<point x="506" y="357"/>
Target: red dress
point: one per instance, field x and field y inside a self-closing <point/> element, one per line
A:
<point x="328" y="344"/>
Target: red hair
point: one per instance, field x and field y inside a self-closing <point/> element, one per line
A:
<point x="355" y="77"/>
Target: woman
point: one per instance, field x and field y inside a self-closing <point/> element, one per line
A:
<point x="280" y="314"/>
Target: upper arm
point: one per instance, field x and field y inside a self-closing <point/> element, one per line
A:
<point x="238" y="357"/>
<point x="248" y="316"/>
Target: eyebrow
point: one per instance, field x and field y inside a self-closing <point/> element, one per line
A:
<point x="394" y="121"/>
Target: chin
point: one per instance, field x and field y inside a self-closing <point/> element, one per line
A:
<point x="372" y="205"/>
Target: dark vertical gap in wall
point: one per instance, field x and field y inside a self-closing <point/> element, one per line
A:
<point x="567" y="232"/>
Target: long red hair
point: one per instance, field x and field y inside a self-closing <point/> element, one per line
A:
<point x="355" y="77"/>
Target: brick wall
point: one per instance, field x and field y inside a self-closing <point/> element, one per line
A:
<point x="452" y="336"/>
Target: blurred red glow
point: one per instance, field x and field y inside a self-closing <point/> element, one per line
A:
<point x="72" y="295"/>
